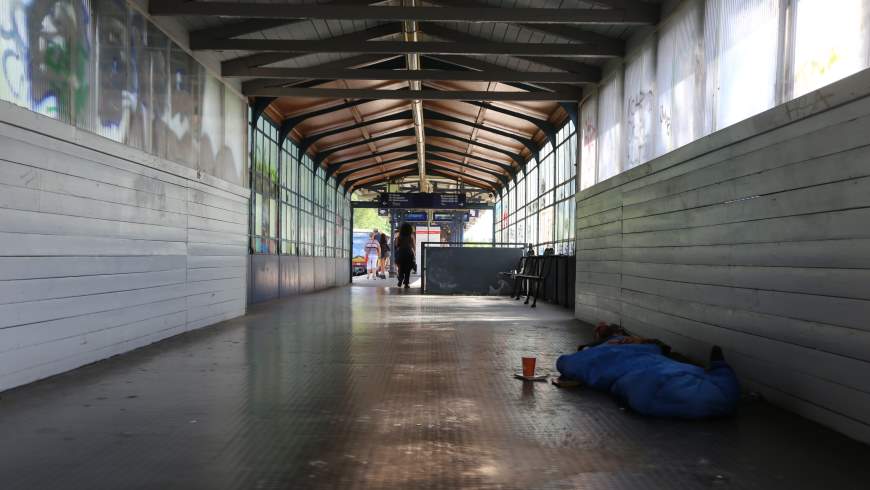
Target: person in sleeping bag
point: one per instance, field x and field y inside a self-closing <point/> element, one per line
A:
<point x="650" y="379"/>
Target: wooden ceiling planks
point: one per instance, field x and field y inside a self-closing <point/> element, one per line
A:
<point x="360" y="134"/>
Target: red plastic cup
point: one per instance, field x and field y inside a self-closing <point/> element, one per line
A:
<point x="529" y="366"/>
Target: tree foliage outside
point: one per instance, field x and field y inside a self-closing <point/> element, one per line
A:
<point x="367" y="219"/>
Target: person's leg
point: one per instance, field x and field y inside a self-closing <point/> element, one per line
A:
<point x="373" y="266"/>
<point x="721" y="374"/>
<point x="400" y="273"/>
<point x="408" y="274"/>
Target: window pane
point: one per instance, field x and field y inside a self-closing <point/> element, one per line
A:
<point x="831" y="42"/>
<point x="589" y="137"/>
<point x="639" y="106"/>
<point x="742" y="42"/>
<point x="532" y="229"/>
<point x="545" y="230"/>
<point x="680" y="78"/>
<point x="610" y="128"/>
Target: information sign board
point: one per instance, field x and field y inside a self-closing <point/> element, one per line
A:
<point x="421" y="200"/>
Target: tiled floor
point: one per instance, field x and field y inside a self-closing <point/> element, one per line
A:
<point x="389" y="282"/>
<point x="384" y="388"/>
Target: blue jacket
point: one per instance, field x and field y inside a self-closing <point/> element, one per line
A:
<point x="653" y="384"/>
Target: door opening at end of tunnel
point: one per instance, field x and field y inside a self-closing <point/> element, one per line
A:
<point x="378" y="247"/>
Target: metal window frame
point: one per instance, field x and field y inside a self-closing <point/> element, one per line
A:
<point x="262" y="130"/>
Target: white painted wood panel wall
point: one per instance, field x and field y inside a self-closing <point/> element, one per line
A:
<point x="755" y="238"/>
<point x="104" y="248"/>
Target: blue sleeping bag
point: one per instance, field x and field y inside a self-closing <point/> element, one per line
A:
<point x="653" y="384"/>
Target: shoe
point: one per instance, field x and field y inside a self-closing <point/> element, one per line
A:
<point x="716" y="354"/>
<point x="399" y="285"/>
<point x="407" y="287"/>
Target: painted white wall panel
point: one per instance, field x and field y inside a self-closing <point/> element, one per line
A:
<point x="755" y="238"/>
<point x="104" y="249"/>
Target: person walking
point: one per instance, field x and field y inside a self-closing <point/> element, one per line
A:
<point x="373" y="252"/>
<point x="405" y="245"/>
<point x="384" y="257"/>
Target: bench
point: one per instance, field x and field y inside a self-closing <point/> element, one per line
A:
<point x="535" y="271"/>
<point x="512" y="275"/>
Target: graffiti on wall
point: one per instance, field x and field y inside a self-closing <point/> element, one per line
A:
<point x="101" y="66"/>
<point x="46" y="53"/>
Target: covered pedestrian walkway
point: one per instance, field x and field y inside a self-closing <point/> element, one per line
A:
<point x="187" y="189"/>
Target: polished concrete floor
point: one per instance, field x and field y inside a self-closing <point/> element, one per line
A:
<point x="363" y="281"/>
<point x="381" y="388"/>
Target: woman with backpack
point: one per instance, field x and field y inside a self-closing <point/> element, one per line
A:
<point x="405" y="246"/>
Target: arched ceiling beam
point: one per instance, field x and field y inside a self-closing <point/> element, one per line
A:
<point x="545" y="126"/>
<point x="432" y="157"/>
<point x="440" y="171"/>
<point x="385" y="176"/>
<point x="308" y="141"/>
<point x="431" y="149"/>
<point x="336" y="166"/>
<point x="437" y="133"/>
<point x="291" y="122"/>
<point x="569" y="66"/>
<point x="341" y="175"/>
<point x="635" y="15"/>
<point x="443" y="149"/>
<point x="323" y="155"/>
<point x="440" y="116"/>
<point x="558" y="64"/>
<point x="429" y="114"/>
<point x="258" y="107"/>
<point x="451" y="175"/>
<point x="468" y="164"/>
<point x="437" y="166"/>
<point x="367" y="172"/>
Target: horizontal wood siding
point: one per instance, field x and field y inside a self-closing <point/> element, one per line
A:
<point x="104" y="249"/>
<point x="759" y="243"/>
